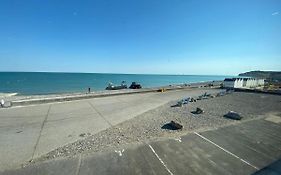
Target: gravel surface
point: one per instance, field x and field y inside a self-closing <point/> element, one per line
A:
<point x="149" y="126"/>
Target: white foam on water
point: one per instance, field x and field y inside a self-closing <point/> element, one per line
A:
<point x="4" y="95"/>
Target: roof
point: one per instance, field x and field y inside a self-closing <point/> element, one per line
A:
<point x="229" y="79"/>
<point x="244" y="79"/>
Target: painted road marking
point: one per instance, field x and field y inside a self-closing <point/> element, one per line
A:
<point x="160" y="159"/>
<point x="120" y="152"/>
<point x="226" y="150"/>
<point x="178" y="139"/>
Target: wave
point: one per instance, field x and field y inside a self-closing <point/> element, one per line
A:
<point x="3" y="95"/>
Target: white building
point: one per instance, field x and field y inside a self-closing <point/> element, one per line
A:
<point x="243" y="83"/>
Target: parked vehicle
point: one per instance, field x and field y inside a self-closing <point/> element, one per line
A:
<point x="111" y="86"/>
<point x="135" y="85"/>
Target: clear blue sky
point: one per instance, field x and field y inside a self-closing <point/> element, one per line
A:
<point x="220" y="37"/>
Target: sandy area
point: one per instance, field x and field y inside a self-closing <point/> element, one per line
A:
<point x="149" y="125"/>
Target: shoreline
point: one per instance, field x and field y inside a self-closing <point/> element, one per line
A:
<point x="23" y="100"/>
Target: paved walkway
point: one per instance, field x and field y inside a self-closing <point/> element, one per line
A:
<point x="31" y="131"/>
<point x="245" y="148"/>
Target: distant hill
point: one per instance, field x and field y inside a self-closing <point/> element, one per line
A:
<point x="268" y="75"/>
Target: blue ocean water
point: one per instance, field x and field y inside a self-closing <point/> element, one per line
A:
<point x="36" y="83"/>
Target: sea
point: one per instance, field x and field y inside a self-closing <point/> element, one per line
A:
<point x="41" y="83"/>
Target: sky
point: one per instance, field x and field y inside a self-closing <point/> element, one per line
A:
<point x="218" y="37"/>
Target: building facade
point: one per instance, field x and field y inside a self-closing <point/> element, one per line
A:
<point x="245" y="83"/>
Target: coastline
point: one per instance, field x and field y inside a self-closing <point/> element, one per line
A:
<point x="39" y="133"/>
<point x="22" y="100"/>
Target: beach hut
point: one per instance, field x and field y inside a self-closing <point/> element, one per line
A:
<point x="242" y="83"/>
<point x="231" y="83"/>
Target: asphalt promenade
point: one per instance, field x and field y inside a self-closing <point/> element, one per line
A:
<point x="251" y="147"/>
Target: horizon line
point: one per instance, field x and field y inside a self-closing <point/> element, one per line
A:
<point x="182" y="74"/>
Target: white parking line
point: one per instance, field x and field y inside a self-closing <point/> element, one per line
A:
<point x="160" y="159"/>
<point x="226" y="151"/>
<point x="178" y="139"/>
<point x="119" y="152"/>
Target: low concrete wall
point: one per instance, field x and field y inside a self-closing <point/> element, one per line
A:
<point x="109" y="93"/>
<point x="258" y="91"/>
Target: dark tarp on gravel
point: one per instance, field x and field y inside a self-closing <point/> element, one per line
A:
<point x="233" y="115"/>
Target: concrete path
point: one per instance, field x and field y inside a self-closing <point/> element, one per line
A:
<point x="31" y="131"/>
<point x="245" y="148"/>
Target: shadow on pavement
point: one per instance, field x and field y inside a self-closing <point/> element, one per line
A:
<point x="274" y="168"/>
